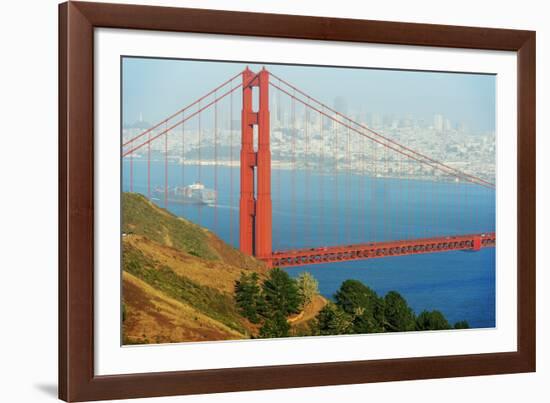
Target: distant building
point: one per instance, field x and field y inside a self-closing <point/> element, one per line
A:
<point x="438" y="123"/>
<point x="447" y="125"/>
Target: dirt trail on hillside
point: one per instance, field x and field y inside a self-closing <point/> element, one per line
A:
<point x="310" y="312"/>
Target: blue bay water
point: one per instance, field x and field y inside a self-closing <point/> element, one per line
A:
<point x="314" y="209"/>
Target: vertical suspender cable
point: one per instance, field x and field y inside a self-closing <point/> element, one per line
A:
<point x="131" y="172"/>
<point x="475" y="214"/>
<point x="409" y="198"/>
<point x="429" y="193"/>
<point x="442" y="200"/>
<point x="199" y="167"/>
<point x="467" y="218"/>
<point x="231" y="167"/>
<point x="401" y="228"/>
<point x="386" y="201"/>
<point x="280" y="142"/>
<point x="426" y="198"/>
<point x="166" y="167"/>
<point x="183" y="158"/>
<point x="216" y="163"/>
<point x="463" y="219"/>
<point x="374" y="194"/>
<point x="306" y="186"/>
<point x="391" y="189"/>
<point x="434" y="199"/>
<point x="348" y="188"/>
<point x="321" y="172"/>
<point x="149" y="166"/>
<point x="293" y="176"/>
<point x="363" y="190"/>
<point x="336" y="193"/>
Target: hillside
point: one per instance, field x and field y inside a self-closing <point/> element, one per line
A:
<point x="178" y="279"/>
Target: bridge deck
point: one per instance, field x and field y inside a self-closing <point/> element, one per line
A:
<point x="301" y="257"/>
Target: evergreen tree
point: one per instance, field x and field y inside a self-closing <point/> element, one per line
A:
<point x="363" y="304"/>
<point x="399" y="316"/>
<point x="281" y="294"/>
<point x="248" y="297"/>
<point x="433" y="320"/>
<point x="462" y="325"/>
<point x="275" y="326"/>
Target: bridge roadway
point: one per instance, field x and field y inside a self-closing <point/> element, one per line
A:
<point x="332" y="254"/>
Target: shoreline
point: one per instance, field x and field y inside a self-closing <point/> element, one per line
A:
<point x="288" y="166"/>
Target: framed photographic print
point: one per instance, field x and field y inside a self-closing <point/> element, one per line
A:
<point x="254" y="201"/>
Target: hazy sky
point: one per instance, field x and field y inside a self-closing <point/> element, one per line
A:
<point x="157" y="87"/>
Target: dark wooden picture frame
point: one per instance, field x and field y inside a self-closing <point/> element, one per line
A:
<point x="77" y="381"/>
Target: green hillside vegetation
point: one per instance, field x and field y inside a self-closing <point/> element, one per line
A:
<point x="213" y="303"/>
<point x="140" y="216"/>
<point x="179" y="280"/>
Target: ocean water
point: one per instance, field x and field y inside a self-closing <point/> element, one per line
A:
<point x="315" y="209"/>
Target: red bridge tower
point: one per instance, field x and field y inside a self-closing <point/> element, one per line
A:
<point x="255" y="204"/>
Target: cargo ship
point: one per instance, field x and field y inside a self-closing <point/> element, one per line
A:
<point x="195" y="193"/>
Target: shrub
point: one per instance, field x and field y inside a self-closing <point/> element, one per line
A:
<point x="331" y="320"/>
<point x="308" y="288"/>
<point x="462" y="325"/>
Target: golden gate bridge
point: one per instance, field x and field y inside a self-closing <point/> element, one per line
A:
<point x="342" y="144"/>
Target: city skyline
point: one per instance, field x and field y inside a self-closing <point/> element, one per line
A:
<point x="380" y="97"/>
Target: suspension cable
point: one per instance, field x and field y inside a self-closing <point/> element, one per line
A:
<point x="166" y="169"/>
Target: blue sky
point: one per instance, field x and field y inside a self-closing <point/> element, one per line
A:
<point x="157" y="87"/>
